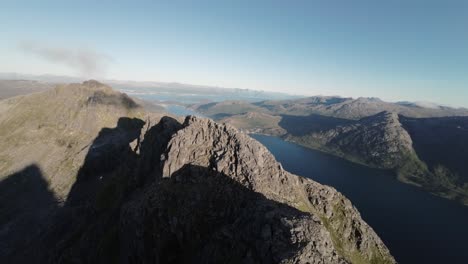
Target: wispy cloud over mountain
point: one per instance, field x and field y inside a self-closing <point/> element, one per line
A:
<point x="86" y="62"/>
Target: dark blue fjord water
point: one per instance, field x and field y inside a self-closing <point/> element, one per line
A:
<point x="416" y="226"/>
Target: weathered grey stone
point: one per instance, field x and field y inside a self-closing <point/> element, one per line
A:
<point x="332" y="228"/>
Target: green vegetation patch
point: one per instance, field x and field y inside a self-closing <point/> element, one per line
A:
<point x="347" y="248"/>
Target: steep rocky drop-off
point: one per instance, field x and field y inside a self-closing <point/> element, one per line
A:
<point x="208" y="194"/>
<point x="222" y="149"/>
<point x="161" y="192"/>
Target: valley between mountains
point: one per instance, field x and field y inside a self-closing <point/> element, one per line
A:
<point x="424" y="146"/>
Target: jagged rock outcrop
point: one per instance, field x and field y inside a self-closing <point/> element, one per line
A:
<point x="230" y="200"/>
<point x="156" y="190"/>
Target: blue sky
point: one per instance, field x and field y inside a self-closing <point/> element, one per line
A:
<point x="395" y="50"/>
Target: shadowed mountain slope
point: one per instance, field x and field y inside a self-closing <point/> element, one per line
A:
<point x="433" y="138"/>
<point x="160" y="191"/>
<point x="54" y="129"/>
<point x="26" y="205"/>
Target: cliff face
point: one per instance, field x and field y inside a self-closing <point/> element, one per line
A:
<point x="161" y="191"/>
<point x="322" y="226"/>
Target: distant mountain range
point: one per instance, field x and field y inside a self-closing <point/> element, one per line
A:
<point x="144" y="87"/>
<point x="426" y="145"/>
<point x="365" y="130"/>
<point x="351" y="108"/>
<point x="88" y="175"/>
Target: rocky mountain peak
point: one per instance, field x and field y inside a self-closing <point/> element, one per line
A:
<point x="161" y="191"/>
<point x="94" y="93"/>
<point x="203" y="147"/>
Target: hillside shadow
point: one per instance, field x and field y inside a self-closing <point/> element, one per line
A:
<point x="121" y="210"/>
<point x="29" y="211"/>
<point x="86" y="228"/>
<point x="302" y="125"/>
<point x="433" y="138"/>
<point x="152" y="149"/>
<point x="109" y="150"/>
<point x="199" y="215"/>
<point x="26" y="204"/>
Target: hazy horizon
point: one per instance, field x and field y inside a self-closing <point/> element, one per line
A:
<point x="400" y="51"/>
<point x="427" y="104"/>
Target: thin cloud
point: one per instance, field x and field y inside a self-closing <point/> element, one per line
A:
<point x="87" y="63"/>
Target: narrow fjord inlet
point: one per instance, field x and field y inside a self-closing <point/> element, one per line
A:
<point x="416" y="226"/>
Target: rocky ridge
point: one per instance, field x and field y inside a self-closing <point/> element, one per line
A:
<point x="161" y="191"/>
<point x="321" y="225"/>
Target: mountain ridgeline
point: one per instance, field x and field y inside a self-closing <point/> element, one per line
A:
<point x="340" y="107"/>
<point x="424" y="144"/>
<point x="88" y="175"/>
